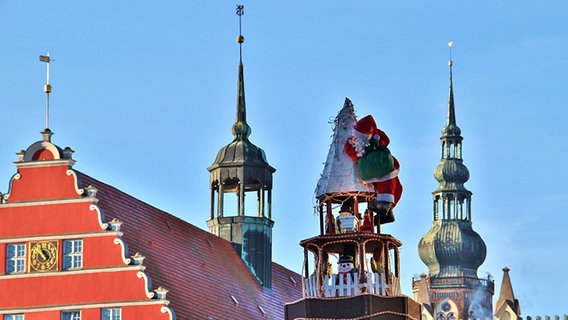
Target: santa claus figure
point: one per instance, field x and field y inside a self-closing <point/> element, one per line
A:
<point x="368" y="147"/>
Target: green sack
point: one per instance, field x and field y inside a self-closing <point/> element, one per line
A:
<point x="376" y="162"/>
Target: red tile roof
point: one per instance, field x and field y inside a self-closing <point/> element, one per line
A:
<point x="205" y="277"/>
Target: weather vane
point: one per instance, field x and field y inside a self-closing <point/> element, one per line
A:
<point x="240" y="38"/>
<point x="46" y="88"/>
<point x="450" y="44"/>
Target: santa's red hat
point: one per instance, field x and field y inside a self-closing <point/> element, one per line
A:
<point x="365" y="128"/>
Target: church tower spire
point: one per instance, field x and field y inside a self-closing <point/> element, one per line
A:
<point x="507" y="306"/>
<point x="452" y="250"/>
<point x="241" y="129"/>
<point x="241" y="169"/>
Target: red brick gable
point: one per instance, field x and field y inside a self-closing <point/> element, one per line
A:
<point x="46" y="212"/>
<point x="205" y="277"/>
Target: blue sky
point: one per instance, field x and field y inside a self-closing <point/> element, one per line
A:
<point x="145" y="94"/>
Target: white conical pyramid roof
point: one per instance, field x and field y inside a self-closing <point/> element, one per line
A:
<point x="340" y="176"/>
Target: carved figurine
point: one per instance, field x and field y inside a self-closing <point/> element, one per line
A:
<point x="368" y="147"/>
<point x="377" y="261"/>
<point x="345" y="268"/>
<point x="346" y="221"/>
<point x="366" y="226"/>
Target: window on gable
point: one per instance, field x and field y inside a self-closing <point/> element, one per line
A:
<point x="72" y="254"/>
<point x="19" y="316"/>
<point x="112" y="314"/>
<point x="71" y="315"/>
<point x="16" y="258"/>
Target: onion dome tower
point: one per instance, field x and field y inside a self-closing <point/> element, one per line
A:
<point x="351" y="270"/>
<point x="452" y="250"/>
<point x="241" y="169"/>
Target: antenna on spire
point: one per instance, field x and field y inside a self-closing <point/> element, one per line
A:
<point x="450" y="44"/>
<point x="240" y="38"/>
<point x="46" y="88"/>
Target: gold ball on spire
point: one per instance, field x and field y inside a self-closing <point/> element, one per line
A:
<point x="240" y="39"/>
<point x="450" y="63"/>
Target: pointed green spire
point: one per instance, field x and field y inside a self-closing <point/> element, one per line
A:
<point x="241" y="129"/>
<point x="451" y="109"/>
<point x="451" y="130"/>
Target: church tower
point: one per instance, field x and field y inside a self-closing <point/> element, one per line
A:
<point x="452" y="250"/>
<point x="241" y="169"/>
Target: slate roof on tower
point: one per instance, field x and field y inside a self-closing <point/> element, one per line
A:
<point x="205" y="277"/>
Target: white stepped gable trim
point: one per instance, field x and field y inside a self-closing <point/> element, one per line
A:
<point x="76" y="180"/>
<point x="96" y="208"/>
<point x="92" y="306"/>
<point x="45" y="163"/>
<point x="172" y="315"/>
<point x="147" y="283"/>
<point x="123" y="249"/>
<point x="45" y="202"/>
<point x="62" y="237"/>
<point x="16" y="176"/>
<point x="71" y="272"/>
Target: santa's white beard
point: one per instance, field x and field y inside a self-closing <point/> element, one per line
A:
<point x="359" y="146"/>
